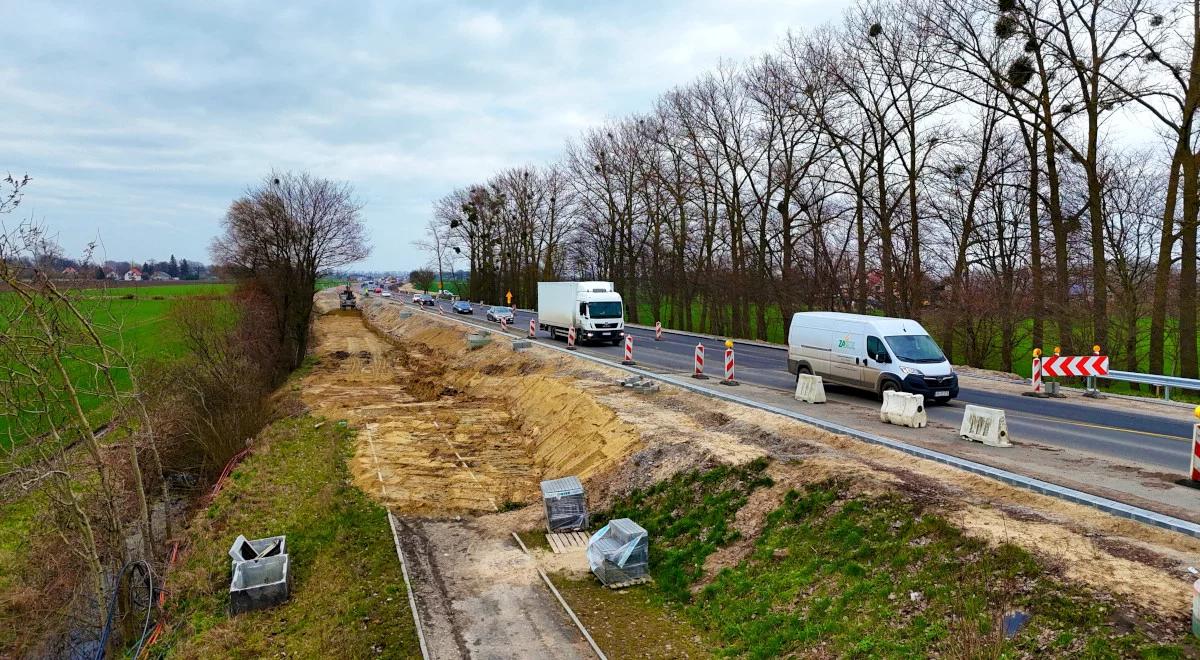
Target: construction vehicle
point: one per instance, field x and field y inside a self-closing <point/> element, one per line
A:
<point x="347" y="300"/>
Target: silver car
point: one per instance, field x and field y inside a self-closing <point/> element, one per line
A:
<point x="498" y="314"/>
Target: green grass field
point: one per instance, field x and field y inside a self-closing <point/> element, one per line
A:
<point x="132" y="320"/>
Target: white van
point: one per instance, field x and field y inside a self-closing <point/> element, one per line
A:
<point x="871" y="353"/>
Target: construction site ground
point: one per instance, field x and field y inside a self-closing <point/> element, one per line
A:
<point x="455" y="441"/>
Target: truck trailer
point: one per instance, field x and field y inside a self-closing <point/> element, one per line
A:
<point x="594" y="309"/>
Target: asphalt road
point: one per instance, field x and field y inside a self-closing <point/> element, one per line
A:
<point x="1161" y="441"/>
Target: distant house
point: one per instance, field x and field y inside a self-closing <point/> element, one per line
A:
<point x="133" y="275"/>
<point x="70" y="271"/>
<point x="111" y="274"/>
<point x="159" y="276"/>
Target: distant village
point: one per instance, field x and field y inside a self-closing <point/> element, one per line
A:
<point x="132" y="271"/>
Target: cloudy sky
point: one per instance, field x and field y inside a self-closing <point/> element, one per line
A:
<point x="140" y="124"/>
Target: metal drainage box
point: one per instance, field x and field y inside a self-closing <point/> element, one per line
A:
<point x="619" y="552"/>
<point x="566" y="506"/>
<point x="259" y="583"/>
<point x="245" y="550"/>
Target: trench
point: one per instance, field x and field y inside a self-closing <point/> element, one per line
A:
<point x="443" y="430"/>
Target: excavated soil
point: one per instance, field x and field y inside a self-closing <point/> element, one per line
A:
<point x="515" y="418"/>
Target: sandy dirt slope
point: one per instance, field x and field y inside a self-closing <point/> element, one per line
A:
<point x="675" y="430"/>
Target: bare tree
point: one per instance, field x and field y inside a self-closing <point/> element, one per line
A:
<point x="287" y="232"/>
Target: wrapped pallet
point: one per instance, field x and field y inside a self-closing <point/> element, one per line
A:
<point x="619" y="552"/>
<point x="566" y="506"/>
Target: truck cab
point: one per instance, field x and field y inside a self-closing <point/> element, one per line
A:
<point x="594" y="309"/>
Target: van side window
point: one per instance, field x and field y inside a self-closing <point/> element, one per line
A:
<point x="875" y="348"/>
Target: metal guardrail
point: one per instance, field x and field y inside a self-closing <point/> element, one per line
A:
<point x="1165" y="382"/>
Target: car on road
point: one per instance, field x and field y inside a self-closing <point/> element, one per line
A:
<point x="873" y="353"/>
<point x="498" y="314"/>
<point x="462" y="307"/>
<point x="386" y="294"/>
<point x="427" y="300"/>
<point x="416" y="299"/>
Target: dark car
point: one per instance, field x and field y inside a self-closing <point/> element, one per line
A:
<point x="427" y="300"/>
<point x="462" y="307"/>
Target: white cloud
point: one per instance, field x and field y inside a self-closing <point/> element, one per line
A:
<point x="484" y="25"/>
<point x="140" y="123"/>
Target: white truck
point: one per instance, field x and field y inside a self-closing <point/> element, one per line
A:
<point x="594" y="309"/>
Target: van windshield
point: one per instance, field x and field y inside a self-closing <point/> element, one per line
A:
<point x="915" y="348"/>
<point x="604" y="310"/>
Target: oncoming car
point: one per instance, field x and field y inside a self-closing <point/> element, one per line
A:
<point x="462" y="307"/>
<point x="416" y="299"/>
<point x="499" y="314"/>
<point x="427" y="300"/>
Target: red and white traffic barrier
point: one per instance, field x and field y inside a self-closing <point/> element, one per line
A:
<point x="657" y="331"/>
<point x="628" y="361"/>
<point x="571" y="338"/>
<point x="1075" y="365"/>
<point x="1037" y="374"/>
<point x="1196" y="452"/>
<point x="729" y="374"/>
<point x="533" y="328"/>
<point x="699" y="372"/>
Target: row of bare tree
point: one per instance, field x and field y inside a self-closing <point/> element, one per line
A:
<point x="1012" y="171"/>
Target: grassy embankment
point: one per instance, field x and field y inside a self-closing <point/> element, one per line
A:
<point x="135" y="318"/>
<point x="348" y="596"/>
<point x="844" y="575"/>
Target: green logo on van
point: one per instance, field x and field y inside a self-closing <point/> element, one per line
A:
<point x="846" y="342"/>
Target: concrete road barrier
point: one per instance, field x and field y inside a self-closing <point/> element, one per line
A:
<point x="903" y="409"/>
<point x="986" y="425"/>
<point x="810" y="389"/>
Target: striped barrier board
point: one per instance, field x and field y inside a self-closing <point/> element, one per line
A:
<point x="1075" y="365"/>
<point x="699" y="371"/>
<point x="628" y="351"/>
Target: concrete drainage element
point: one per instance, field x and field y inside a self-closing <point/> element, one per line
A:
<point x="639" y="384"/>
<point x="243" y="550"/>
<point x="404" y="314"/>
<point x="986" y="425"/>
<point x="903" y="409"/>
<point x="520" y="344"/>
<point x="259" y="583"/>
<point x="478" y="340"/>
<point x="810" y="389"/>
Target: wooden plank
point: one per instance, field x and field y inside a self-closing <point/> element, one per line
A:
<point x="553" y="540"/>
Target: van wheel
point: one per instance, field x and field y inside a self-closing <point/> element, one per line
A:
<point x="806" y="370"/>
<point x="888" y="385"/>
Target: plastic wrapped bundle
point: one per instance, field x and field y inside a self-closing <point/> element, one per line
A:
<point x="566" y="508"/>
<point x="619" y="552"/>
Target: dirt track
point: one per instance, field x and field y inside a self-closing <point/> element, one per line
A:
<point x="516" y="418"/>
